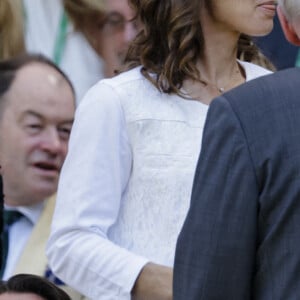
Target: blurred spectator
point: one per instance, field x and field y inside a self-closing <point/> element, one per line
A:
<point x="30" y="287"/>
<point x="11" y="28"/>
<point x="87" y="39"/>
<point x="108" y="28"/>
<point x="281" y="53"/>
<point x="1" y="216"/>
<point x="36" y="114"/>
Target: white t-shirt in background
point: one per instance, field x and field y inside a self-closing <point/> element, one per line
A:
<point x="79" y="60"/>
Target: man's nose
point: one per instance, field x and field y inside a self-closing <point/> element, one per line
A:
<point x="51" y="141"/>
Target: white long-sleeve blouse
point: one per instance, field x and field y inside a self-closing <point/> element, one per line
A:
<point x="126" y="183"/>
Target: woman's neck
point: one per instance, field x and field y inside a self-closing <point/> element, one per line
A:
<point x="218" y="68"/>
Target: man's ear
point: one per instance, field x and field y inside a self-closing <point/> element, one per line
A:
<point x="287" y="28"/>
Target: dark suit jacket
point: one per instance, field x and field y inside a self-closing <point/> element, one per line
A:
<point x="241" y="238"/>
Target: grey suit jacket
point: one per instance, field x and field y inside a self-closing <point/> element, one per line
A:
<point x="241" y="238"/>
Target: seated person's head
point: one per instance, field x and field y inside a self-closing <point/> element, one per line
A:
<point x="107" y="25"/>
<point x="36" y="114"/>
<point x="289" y="16"/>
<point x="30" y="287"/>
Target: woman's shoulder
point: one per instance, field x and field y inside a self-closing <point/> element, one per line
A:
<point x="131" y="77"/>
<point x="129" y="86"/>
<point x="253" y="71"/>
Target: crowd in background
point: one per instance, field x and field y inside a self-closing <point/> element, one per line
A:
<point x="87" y="39"/>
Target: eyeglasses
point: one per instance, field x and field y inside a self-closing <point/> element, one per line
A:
<point x="118" y="22"/>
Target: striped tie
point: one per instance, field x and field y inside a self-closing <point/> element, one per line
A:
<point x="9" y="218"/>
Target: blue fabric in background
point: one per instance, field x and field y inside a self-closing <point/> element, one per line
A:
<point x="274" y="46"/>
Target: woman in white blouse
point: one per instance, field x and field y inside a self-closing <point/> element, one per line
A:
<point x="126" y="183"/>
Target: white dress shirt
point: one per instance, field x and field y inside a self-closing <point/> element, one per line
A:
<point x="19" y="233"/>
<point x="123" y="202"/>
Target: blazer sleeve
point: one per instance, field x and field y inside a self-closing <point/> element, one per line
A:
<point x="216" y="248"/>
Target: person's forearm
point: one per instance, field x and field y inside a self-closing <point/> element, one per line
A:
<point x="153" y="283"/>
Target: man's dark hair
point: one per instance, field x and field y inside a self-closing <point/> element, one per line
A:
<point x="10" y="67"/>
<point x="28" y="283"/>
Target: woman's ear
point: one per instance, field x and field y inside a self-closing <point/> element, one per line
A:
<point x="287" y="28"/>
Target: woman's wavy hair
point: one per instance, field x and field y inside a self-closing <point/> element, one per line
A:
<point x="171" y="40"/>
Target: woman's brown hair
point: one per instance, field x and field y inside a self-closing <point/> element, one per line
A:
<point x="171" y="40"/>
<point x="82" y="11"/>
<point x="11" y="28"/>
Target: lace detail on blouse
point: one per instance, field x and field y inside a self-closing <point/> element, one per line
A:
<point x="165" y="135"/>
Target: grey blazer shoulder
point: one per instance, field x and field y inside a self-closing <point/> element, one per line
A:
<point x="241" y="237"/>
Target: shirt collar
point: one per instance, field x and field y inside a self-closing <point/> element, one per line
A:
<point x="31" y="212"/>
